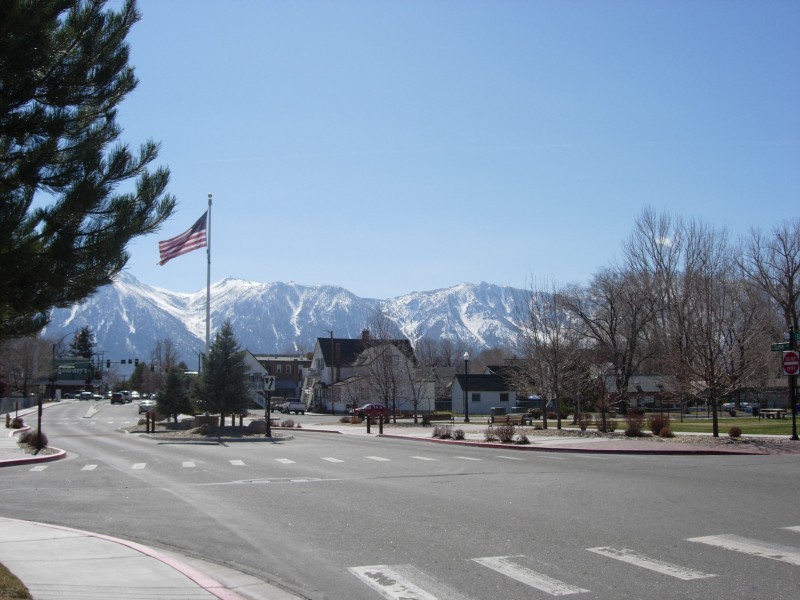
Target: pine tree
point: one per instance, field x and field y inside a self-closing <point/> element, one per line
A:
<point x="83" y="343"/>
<point x="223" y="383"/>
<point x="174" y="399"/>
<point x="63" y="230"/>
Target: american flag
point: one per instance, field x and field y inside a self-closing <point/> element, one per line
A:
<point x="191" y="239"/>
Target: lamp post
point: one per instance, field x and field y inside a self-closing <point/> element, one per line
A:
<point x="466" y="387"/>
<point x="330" y="384"/>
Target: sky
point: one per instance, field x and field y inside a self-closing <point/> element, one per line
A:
<point x="391" y="146"/>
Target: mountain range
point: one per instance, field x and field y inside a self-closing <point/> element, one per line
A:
<point x="128" y="317"/>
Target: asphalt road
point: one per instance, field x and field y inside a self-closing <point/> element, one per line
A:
<point x="352" y="517"/>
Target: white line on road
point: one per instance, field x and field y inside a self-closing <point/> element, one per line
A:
<point x="138" y="465"/>
<point x="89" y="467"/>
<point x="630" y="557"/>
<point x="331" y="459"/>
<point x="794" y="528"/>
<point x="511" y="457"/>
<point x="38" y="468"/>
<point x="378" y="458"/>
<point x="423" y="458"/>
<point x="548" y="585"/>
<point x="468" y="458"/>
<point x="237" y="463"/>
<point x="188" y="464"/>
<point x="787" y="554"/>
<point x="285" y="461"/>
<point x="390" y="584"/>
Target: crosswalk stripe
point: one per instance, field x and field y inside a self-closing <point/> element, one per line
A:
<point x="630" y="557"/>
<point x="787" y="554"/>
<point x="331" y="459"/>
<point x="237" y="462"/>
<point x="423" y="458"/>
<point x="505" y="566"/>
<point x="285" y="461"/>
<point x="38" y="468"/>
<point x="189" y="464"/>
<point x="138" y="465"/>
<point x="389" y="583"/>
<point x="89" y="467"/>
<point x="379" y="458"/>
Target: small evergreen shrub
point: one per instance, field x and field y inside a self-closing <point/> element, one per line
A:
<point x="489" y="435"/>
<point x="288" y="423"/>
<point x="505" y="433"/>
<point x="735" y="432"/>
<point x="656" y="422"/>
<point x="523" y="440"/>
<point x="443" y="432"/>
<point x="535" y="413"/>
<point x="458" y="434"/>
<point x="17" y="423"/>
<point x="34" y="439"/>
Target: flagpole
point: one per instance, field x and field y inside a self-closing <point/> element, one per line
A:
<point x="208" y="277"/>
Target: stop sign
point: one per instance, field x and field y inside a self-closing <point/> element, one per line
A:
<point x="791" y="362"/>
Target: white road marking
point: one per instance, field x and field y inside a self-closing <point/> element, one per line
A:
<point x="793" y="528"/>
<point x="468" y="458"/>
<point x="285" y="461"/>
<point x="787" y="554"/>
<point x="548" y="585"/>
<point x="630" y="557"/>
<point x="89" y="467"/>
<point x="138" y="465"/>
<point x="237" y="463"/>
<point x="423" y="458"/>
<point x="38" y="468"/>
<point x="331" y="459"/>
<point x="389" y="583"/>
<point x="378" y="458"/>
<point x="188" y="464"/>
<point x="511" y="457"/>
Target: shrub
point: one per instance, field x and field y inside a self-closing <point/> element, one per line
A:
<point x="458" y="434"/>
<point x="346" y="420"/>
<point x="17" y="423"/>
<point x="584" y="420"/>
<point x="734" y="432"/>
<point x="505" y="433"/>
<point x="609" y="427"/>
<point x="732" y="412"/>
<point x="443" y="432"/>
<point x="355" y="420"/>
<point x="34" y="439"/>
<point x="287" y="423"/>
<point x="522" y="439"/>
<point x="489" y="435"/>
<point x="634" y="421"/>
<point x="551" y="415"/>
<point x="666" y="432"/>
<point x="535" y="413"/>
<point x="656" y="422"/>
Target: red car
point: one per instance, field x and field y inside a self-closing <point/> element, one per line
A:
<point x="371" y="410"/>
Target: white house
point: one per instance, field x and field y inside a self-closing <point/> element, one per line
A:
<point x="483" y="393"/>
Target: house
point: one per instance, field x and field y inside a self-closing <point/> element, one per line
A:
<point x="289" y="371"/>
<point x="346" y="373"/>
<point x="484" y="392"/>
<point x="255" y="378"/>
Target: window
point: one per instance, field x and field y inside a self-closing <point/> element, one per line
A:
<point x="278" y="369"/>
<point x="476" y="397"/>
<point x="504" y="397"/>
<point x="288" y="369"/>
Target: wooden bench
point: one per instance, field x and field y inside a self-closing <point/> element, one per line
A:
<point x="773" y="413"/>
<point x="428" y="419"/>
<point x="518" y="419"/>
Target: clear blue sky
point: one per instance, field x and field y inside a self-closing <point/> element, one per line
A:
<point x="397" y="146"/>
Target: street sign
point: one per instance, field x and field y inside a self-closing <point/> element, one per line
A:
<point x="791" y="362"/>
<point x="780" y="347"/>
<point x="269" y="383"/>
<point x="786" y="336"/>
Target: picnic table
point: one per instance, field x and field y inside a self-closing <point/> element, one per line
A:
<point x="773" y="413"/>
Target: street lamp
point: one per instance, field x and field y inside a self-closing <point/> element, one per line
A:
<point x="466" y="387"/>
<point x="330" y="385"/>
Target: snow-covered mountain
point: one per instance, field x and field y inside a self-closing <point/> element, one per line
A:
<point x="128" y="317"/>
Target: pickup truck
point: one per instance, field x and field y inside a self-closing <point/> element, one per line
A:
<point x="293" y="405"/>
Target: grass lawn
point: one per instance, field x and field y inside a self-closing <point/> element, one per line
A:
<point x="749" y="425"/>
<point x="11" y="588"/>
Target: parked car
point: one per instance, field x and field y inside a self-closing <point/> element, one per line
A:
<point x="371" y="410"/>
<point x="117" y="398"/>
<point x="86" y="396"/>
<point x="293" y="405"/>
<point x="146" y="405"/>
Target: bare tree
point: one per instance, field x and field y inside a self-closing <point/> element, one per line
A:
<point x="25" y="360"/>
